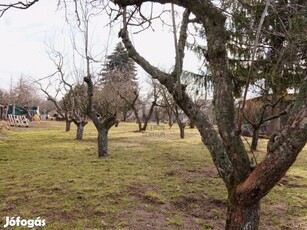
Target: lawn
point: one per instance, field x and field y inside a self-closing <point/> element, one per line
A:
<point x="151" y="180"/>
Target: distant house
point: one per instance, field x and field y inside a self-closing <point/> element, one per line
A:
<point x="22" y="110"/>
<point x="253" y="105"/>
<point x="16" y="110"/>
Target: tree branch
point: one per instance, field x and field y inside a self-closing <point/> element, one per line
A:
<point x="275" y="116"/>
<point x="150" y="69"/>
<point x="181" y="43"/>
<point x="282" y="150"/>
<point x="249" y="76"/>
<point x="17" y="5"/>
<point x="206" y="129"/>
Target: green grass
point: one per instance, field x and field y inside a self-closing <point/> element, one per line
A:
<point x="152" y="180"/>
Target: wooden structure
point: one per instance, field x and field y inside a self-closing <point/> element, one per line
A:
<point x="18" y="120"/>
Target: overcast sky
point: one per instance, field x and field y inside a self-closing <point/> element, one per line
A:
<point x="25" y="33"/>
<point x="22" y="40"/>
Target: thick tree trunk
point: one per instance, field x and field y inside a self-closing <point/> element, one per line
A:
<point x="255" y="139"/>
<point x="241" y="217"/>
<point x="68" y="124"/>
<point x="144" y="126"/>
<point x="181" y="128"/>
<point x="80" y="129"/>
<point x="102" y="126"/>
<point x="103" y="130"/>
<point x="103" y="142"/>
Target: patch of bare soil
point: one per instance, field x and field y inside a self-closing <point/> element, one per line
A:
<point x="197" y="211"/>
<point x="277" y="217"/>
<point x="211" y="211"/>
<point x="289" y="182"/>
<point x="184" y="212"/>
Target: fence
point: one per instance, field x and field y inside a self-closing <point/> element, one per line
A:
<point x="18" y="120"/>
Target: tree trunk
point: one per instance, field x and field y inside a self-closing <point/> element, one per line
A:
<point x="68" y="124"/>
<point x="157" y="117"/>
<point x="255" y="138"/>
<point x="179" y="122"/>
<point x="147" y="118"/>
<point x="103" y="142"/>
<point x="80" y="129"/>
<point x="125" y="115"/>
<point x="181" y="128"/>
<point x="170" y="118"/>
<point x="137" y="117"/>
<point x="139" y="122"/>
<point x="145" y="125"/>
<point x="243" y="217"/>
<point x="192" y="125"/>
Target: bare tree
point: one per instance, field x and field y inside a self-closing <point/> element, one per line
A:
<point x="61" y="110"/>
<point x="75" y="101"/>
<point x="100" y="111"/>
<point x="259" y="111"/>
<point x="172" y="110"/>
<point x="245" y="184"/>
<point x="73" y="106"/>
<point x="151" y="101"/>
<point x="102" y="120"/>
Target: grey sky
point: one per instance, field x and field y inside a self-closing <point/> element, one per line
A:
<point x="25" y="33"/>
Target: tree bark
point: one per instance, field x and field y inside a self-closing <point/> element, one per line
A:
<point x="181" y="128"/>
<point x="80" y="129"/>
<point x="102" y="126"/>
<point x="243" y="217"/>
<point x="157" y="115"/>
<point x="68" y="125"/>
<point x="103" y="142"/>
<point x="255" y="138"/>
<point x="79" y="134"/>
<point x="179" y="122"/>
<point x="103" y="130"/>
<point x="125" y="113"/>
<point x="147" y="118"/>
<point x="137" y="117"/>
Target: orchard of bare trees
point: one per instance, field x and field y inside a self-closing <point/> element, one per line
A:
<point x="242" y="45"/>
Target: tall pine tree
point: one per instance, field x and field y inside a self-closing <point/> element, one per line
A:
<point x="119" y="67"/>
